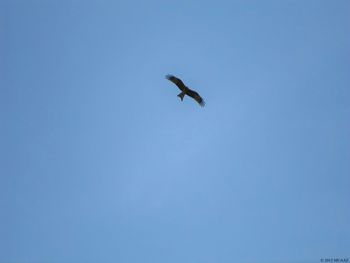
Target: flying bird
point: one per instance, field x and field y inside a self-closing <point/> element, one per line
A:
<point x="185" y="90"/>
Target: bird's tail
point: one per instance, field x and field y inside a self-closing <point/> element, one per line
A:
<point x="181" y="95"/>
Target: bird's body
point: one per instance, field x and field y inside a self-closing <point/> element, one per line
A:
<point x="185" y="90"/>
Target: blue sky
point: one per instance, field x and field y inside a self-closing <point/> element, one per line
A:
<point x="101" y="162"/>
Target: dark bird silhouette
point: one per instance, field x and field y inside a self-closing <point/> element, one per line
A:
<point x="185" y="90"/>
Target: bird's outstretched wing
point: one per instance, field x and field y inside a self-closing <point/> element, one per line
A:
<point x="178" y="82"/>
<point x="196" y="97"/>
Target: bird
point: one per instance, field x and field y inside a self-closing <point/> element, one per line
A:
<point x="185" y="90"/>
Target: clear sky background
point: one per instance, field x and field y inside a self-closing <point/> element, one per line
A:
<point x="101" y="162"/>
